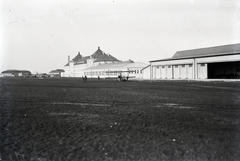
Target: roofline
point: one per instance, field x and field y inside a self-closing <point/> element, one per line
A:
<point x="145" y="67"/>
<point x="217" y="46"/>
<point x="193" y="57"/>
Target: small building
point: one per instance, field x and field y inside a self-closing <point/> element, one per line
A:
<point x="56" y="73"/>
<point x="220" y="62"/>
<point x="16" y="73"/>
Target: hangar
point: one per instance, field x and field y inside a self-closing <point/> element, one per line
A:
<point x="219" y="62"/>
<point x="15" y="73"/>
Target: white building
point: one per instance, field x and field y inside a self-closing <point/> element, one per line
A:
<point x="205" y="63"/>
<point x="56" y="73"/>
<point x="15" y="73"/>
<point x="102" y="65"/>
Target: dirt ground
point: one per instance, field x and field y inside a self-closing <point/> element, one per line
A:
<point x="63" y="119"/>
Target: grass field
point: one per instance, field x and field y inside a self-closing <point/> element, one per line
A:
<point x="67" y="119"/>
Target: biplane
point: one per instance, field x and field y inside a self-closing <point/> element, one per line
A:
<point x="121" y="75"/>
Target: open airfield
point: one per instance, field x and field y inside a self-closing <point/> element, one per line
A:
<point x="60" y="119"/>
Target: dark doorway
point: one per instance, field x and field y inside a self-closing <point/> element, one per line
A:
<point x="224" y="70"/>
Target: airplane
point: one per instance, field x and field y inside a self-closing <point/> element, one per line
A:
<point x="122" y="75"/>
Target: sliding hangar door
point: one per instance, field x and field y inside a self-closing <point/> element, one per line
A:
<point x="173" y="69"/>
<point x="224" y="70"/>
<point x="221" y="67"/>
<point x="173" y="72"/>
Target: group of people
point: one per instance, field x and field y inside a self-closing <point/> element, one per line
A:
<point x="121" y="78"/>
<point x="84" y="78"/>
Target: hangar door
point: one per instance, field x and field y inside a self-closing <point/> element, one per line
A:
<point x="157" y="74"/>
<point x="163" y="72"/>
<point x="224" y="70"/>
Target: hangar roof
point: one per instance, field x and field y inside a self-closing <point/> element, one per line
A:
<point x="57" y="71"/>
<point x="109" y="65"/>
<point x="124" y="64"/>
<point x="16" y="71"/>
<point x="206" y="52"/>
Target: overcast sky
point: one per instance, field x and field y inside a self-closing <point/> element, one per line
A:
<point x="38" y="35"/>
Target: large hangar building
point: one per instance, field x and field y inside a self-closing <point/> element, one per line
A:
<point x="220" y="62"/>
<point x="102" y="65"/>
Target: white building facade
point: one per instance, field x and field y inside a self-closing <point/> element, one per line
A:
<point x="220" y="62"/>
<point x="102" y="65"/>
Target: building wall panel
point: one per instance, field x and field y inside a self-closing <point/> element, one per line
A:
<point x="169" y="72"/>
<point x="158" y="72"/>
<point x="163" y="72"/>
<point x="189" y="72"/>
<point x="175" y="72"/>
<point x="146" y="72"/>
<point x="214" y="59"/>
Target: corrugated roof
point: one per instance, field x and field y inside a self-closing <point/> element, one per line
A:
<point x="205" y="52"/>
<point x="16" y="71"/>
<point x="210" y="51"/>
<point x="145" y="67"/>
<point x="125" y="64"/>
<point x="109" y="66"/>
<point x="57" y="71"/>
<point x="136" y="65"/>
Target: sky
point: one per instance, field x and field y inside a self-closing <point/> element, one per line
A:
<point x="38" y="35"/>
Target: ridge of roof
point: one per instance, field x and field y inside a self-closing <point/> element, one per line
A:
<point x="205" y="52"/>
<point x="15" y="71"/>
<point x="145" y="67"/>
<point x="208" y="51"/>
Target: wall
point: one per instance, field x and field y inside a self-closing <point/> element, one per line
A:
<point x="146" y="73"/>
<point x="195" y="68"/>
